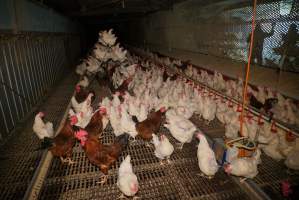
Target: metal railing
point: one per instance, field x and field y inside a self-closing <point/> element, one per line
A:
<point x="30" y="64"/>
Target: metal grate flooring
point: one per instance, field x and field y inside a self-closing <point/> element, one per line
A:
<point x="18" y="158"/>
<point x="177" y="180"/>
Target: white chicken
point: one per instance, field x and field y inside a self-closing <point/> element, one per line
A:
<point x="127" y="181"/>
<point x="84" y="82"/>
<point x="126" y="122"/>
<point x="107" y="38"/>
<point x="181" y="129"/>
<point x="245" y="167"/>
<point x="78" y="107"/>
<point x="272" y="149"/>
<point x="206" y="157"/>
<point x="292" y="160"/>
<point x="41" y="128"/>
<point x="163" y="148"/>
<point x="209" y="109"/>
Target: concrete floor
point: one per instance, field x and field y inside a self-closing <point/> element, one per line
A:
<point x="286" y="83"/>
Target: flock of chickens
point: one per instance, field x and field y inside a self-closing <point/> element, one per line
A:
<point x="146" y="96"/>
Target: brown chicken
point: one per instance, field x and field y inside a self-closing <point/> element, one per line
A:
<point x="62" y="144"/>
<point x="124" y="86"/>
<point x="150" y="125"/>
<point x="101" y="155"/>
<point x="81" y="94"/>
<point x="95" y="126"/>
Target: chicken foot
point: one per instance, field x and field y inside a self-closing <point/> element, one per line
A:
<point x="180" y="146"/>
<point x="203" y="175"/>
<point x="103" y="179"/>
<point x="149" y="145"/>
<point x="122" y="196"/>
<point x="67" y="160"/>
<point x="132" y="140"/>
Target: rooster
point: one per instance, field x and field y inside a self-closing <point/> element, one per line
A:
<point x="42" y="129"/>
<point x="101" y="155"/>
<point x="127" y="181"/>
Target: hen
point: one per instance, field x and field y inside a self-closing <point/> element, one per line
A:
<point x="41" y="128"/>
<point x="181" y="129"/>
<point x="246" y="167"/>
<point x="62" y="144"/>
<point x="95" y="126"/>
<point x="127" y="181"/>
<point x="206" y="157"/>
<point x="163" y="148"/>
<point x="149" y="126"/>
<point x="101" y="155"/>
<point x="81" y="94"/>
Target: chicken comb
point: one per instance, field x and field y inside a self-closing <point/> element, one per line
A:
<point x="103" y="110"/>
<point x="41" y="114"/>
<point x="81" y="134"/>
<point x="78" y="88"/>
<point x="74" y="120"/>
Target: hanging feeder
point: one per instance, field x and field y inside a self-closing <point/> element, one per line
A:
<point x="246" y="147"/>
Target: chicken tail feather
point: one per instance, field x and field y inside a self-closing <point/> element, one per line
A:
<point x="123" y="140"/>
<point x="45" y="144"/>
<point x="134" y="118"/>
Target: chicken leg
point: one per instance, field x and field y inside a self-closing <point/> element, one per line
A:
<point x="70" y="161"/>
<point x="203" y="175"/>
<point x="180" y="146"/>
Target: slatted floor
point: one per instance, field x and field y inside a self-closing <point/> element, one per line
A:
<point x="177" y="180"/>
<point x="18" y="158"/>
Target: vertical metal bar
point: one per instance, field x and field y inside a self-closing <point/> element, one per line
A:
<point x="36" y="70"/>
<point x="6" y="95"/>
<point x="16" y="82"/>
<point x="52" y="50"/>
<point x="45" y="60"/>
<point x="31" y="71"/>
<point x="4" y="117"/>
<point x="20" y="79"/>
<point x="10" y="82"/>
<point x="40" y="67"/>
<point x="56" y="59"/>
<point x="21" y="74"/>
<point x="31" y="91"/>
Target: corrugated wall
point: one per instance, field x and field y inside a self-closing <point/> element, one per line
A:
<point x="37" y="47"/>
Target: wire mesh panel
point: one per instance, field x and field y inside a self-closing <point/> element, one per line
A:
<point x="222" y="29"/>
<point x="30" y="65"/>
<point x="19" y="157"/>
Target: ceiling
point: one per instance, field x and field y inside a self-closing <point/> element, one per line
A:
<point x="95" y="11"/>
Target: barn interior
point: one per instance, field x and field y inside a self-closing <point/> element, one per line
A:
<point x="218" y="79"/>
